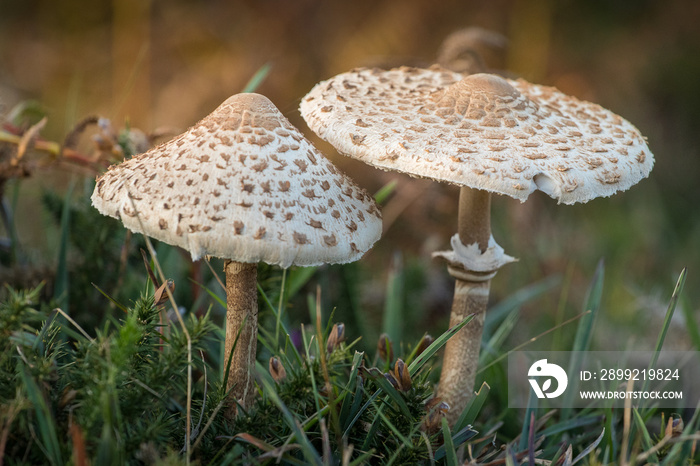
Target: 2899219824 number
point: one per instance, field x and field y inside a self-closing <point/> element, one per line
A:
<point x="639" y="374"/>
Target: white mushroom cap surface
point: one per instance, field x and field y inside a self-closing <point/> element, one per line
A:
<point x="243" y="184"/>
<point x="481" y="131"/>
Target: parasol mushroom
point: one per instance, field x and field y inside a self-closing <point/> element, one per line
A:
<point x="243" y="184"/>
<point x="487" y="135"/>
<point x="473" y="50"/>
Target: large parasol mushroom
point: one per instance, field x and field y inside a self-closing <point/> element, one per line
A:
<point x="487" y="135"/>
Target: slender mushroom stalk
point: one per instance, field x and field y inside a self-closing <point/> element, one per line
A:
<point x="474" y="217"/>
<point x="471" y="296"/>
<point x="245" y="185"/>
<point x="487" y="135"/>
<point x="241" y="340"/>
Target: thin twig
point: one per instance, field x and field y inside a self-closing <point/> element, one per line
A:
<point x="531" y="440"/>
<point x="75" y="324"/>
<point x="626" y="421"/>
<point x="215" y="274"/>
<point x="51" y="147"/>
<point x="531" y="340"/>
<point x="148" y="389"/>
<point x="10" y="415"/>
<point x="406" y="197"/>
<point x="667" y="438"/>
<point x="206" y="426"/>
<point x="123" y="260"/>
<point x="28" y="138"/>
<point x="279" y="307"/>
<point x="153" y="278"/>
<point x="324" y="365"/>
<point x="204" y="397"/>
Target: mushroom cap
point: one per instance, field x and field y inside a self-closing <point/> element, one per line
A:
<point x="473" y="50"/>
<point x="482" y="131"/>
<point x="243" y="184"/>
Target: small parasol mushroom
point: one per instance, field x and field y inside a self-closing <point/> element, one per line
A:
<point x="245" y="185"/>
<point x="487" y="135"/>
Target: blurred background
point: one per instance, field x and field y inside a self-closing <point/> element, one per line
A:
<point x="160" y="66"/>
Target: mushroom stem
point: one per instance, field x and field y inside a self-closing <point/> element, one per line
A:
<point x="474" y="217"/>
<point x="241" y="319"/>
<point x="462" y="350"/>
<point x="471" y="296"/>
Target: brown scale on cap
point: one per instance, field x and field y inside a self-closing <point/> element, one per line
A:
<point x="269" y="182"/>
<point x="480" y="131"/>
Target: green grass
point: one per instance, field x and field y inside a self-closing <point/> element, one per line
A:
<point x="120" y="396"/>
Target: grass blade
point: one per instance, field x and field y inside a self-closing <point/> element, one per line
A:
<point x="9" y="220"/>
<point x="532" y="404"/>
<point x="355" y="410"/>
<point x="211" y="293"/>
<point x="312" y="376"/>
<point x="647" y="443"/>
<point x="671" y="309"/>
<point x="683" y="449"/>
<point x="589" y="448"/>
<point x="494" y="343"/>
<point x="272" y="308"/>
<point x="436" y="345"/>
<point x="392" y="427"/>
<point x="575" y="423"/>
<point x="297" y="278"/>
<point x="377" y="377"/>
<point x="112" y="300"/>
<point x="662" y="336"/>
<point x="611" y="443"/>
<point x="504" y="355"/>
<point x="450" y="453"/>
<point x="362" y="459"/>
<point x="280" y="307"/>
<point x="582" y="340"/>
<point x="584" y="331"/>
<point x="308" y="450"/>
<point x="385" y="191"/>
<point x="359" y="413"/>
<point x="516" y="300"/>
<point x="455" y="441"/>
<point x="471" y="411"/>
<point x="393" y="306"/>
<point x="691" y="326"/>
<point x="44" y="418"/>
<point x="257" y="79"/>
<point x="62" y="282"/>
<point x="667" y="323"/>
<point x="511" y="457"/>
<point x="350" y="403"/>
<point x="558" y="337"/>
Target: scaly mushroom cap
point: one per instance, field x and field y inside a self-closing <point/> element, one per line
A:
<point x="243" y="184"/>
<point x="481" y="131"/>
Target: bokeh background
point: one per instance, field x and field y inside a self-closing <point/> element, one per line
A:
<point x="162" y="65"/>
